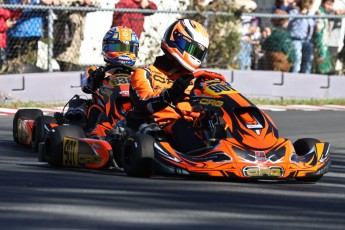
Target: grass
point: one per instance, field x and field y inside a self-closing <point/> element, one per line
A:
<point x="299" y="102"/>
<point x="255" y="101"/>
<point x="30" y="105"/>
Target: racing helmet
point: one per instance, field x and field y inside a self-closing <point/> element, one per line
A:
<point x="186" y="41"/>
<point x="120" y="45"/>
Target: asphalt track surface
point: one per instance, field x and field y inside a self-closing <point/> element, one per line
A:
<point x="35" y="196"/>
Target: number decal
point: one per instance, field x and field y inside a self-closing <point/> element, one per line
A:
<point x="70" y="152"/>
<point x="216" y="89"/>
<point x="119" y="81"/>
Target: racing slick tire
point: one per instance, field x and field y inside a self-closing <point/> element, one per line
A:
<point x="137" y="155"/>
<point x="303" y="146"/>
<point x="38" y="134"/>
<point x="24" y="113"/>
<point x="53" y="147"/>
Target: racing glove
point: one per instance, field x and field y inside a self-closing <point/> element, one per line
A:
<point x="95" y="77"/>
<point x="176" y="92"/>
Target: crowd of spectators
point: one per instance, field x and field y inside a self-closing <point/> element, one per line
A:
<point x="298" y="44"/>
<point x="288" y="44"/>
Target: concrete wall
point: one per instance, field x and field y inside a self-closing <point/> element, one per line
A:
<point x="59" y="87"/>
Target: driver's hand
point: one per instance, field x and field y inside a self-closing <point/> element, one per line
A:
<point x="95" y="77"/>
<point x="97" y="73"/>
<point x="176" y="92"/>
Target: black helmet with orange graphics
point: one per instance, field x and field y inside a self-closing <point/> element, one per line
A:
<point x="186" y="41"/>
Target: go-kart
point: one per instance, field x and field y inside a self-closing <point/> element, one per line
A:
<point x="30" y="126"/>
<point x="71" y="145"/>
<point x="241" y="141"/>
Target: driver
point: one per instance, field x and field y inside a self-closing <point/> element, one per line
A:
<point x="120" y="50"/>
<point x="184" y="44"/>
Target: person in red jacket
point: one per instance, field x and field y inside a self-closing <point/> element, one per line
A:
<point x="5" y="22"/>
<point x="132" y="20"/>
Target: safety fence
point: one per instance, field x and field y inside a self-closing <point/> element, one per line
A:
<point x="56" y="38"/>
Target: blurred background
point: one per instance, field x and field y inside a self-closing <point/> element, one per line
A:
<point x="298" y="36"/>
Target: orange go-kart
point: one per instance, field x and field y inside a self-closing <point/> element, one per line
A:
<point x="72" y="145"/>
<point x="30" y="126"/>
<point x="241" y="141"/>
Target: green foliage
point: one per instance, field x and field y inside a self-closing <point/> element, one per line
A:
<point x="224" y="33"/>
<point x="25" y="63"/>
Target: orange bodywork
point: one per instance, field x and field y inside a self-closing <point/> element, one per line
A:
<point x="253" y="148"/>
<point x="25" y="131"/>
<point x="25" y="128"/>
<point x="86" y="152"/>
<point x="230" y="159"/>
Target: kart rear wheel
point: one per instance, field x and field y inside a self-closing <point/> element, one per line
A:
<point x="27" y="114"/>
<point x="53" y="147"/>
<point x="38" y="133"/>
<point x="137" y="155"/>
<point x="303" y="146"/>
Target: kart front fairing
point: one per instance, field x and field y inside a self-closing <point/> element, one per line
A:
<point x="229" y="158"/>
<point x="252" y="147"/>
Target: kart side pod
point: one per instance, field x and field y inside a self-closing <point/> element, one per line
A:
<point x="66" y="146"/>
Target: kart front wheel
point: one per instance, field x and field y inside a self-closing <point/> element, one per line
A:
<point x="53" y="147"/>
<point x="303" y="146"/>
<point x="28" y="114"/>
<point x="137" y="155"/>
<point x="38" y="133"/>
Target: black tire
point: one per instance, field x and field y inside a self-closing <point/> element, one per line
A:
<point x="311" y="179"/>
<point x="53" y="146"/>
<point x="27" y="114"/>
<point x="303" y="146"/>
<point x="137" y="156"/>
<point x="38" y="133"/>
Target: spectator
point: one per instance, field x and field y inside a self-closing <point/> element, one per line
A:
<point x="337" y="33"/>
<point x="341" y="54"/>
<point x="23" y="37"/>
<point x="132" y="20"/>
<point x="68" y="35"/>
<point x="301" y="31"/>
<point x="323" y="64"/>
<point x="278" y="52"/>
<point x="6" y="21"/>
<point x="285" y="5"/>
<point x="250" y="36"/>
<point x="315" y="7"/>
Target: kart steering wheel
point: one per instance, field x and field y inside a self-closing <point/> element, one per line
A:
<point x="203" y="75"/>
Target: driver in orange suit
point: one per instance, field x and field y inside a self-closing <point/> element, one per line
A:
<point x="184" y="44"/>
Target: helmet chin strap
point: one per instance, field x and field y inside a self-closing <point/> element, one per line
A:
<point x="176" y="65"/>
<point x="174" y="70"/>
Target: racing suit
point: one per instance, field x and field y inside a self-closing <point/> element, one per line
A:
<point x="147" y="95"/>
<point x="95" y="77"/>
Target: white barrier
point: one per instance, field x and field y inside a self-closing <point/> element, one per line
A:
<point x="59" y="87"/>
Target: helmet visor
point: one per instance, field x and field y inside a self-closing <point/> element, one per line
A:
<point x="192" y="47"/>
<point x="122" y="47"/>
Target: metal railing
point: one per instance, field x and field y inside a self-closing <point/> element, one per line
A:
<point x="155" y="26"/>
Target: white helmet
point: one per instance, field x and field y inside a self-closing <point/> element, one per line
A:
<point x="186" y="41"/>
